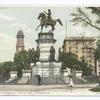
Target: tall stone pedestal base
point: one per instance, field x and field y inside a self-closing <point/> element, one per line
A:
<point x="47" y="69"/>
<point x="50" y="72"/>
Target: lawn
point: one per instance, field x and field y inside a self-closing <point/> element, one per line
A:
<point x="95" y="89"/>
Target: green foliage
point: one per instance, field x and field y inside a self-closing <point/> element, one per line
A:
<point x="70" y="60"/>
<point x="21" y="60"/>
<point x="95" y="89"/>
<point x="97" y="52"/>
<point x="30" y="53"/>
<point x="5" y="68"/>
<point x="87" y="69"/>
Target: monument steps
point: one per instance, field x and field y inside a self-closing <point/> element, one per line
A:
<point x="33" y="81"/>
<point x="13" y="82"/>
<point x="46" y="81"/>
<point x="78" y="81"/>
<point x="23" y="80"/>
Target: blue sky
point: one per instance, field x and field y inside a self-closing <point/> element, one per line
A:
<point x="25" y="18"/>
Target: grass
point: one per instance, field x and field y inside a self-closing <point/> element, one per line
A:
<point x="96" y="89"/>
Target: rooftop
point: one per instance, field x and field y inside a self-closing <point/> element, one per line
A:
<point x="80" y="38"/>
<point x="20" y="33"/>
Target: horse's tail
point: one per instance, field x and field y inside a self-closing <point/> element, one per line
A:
<point x="59" y="22"/>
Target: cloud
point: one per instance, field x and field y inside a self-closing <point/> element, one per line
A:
<point x="7" y="42"/>
<point x="6" y="17"/>
<point x="7" y="47"/>
<point x="26" y="28"/>
<point x="5" y="38"/>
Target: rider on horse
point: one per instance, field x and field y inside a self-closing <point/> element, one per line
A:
<point x="48" y="15"/>
<point x="47" y="21"/>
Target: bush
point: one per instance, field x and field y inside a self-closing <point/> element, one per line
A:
<point x="5" y="68"/>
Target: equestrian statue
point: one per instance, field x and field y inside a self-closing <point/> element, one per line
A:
<point x="46" y="20"/>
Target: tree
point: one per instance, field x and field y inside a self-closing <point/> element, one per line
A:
<point x="21" y="60"/>
<point x="97" y="51"/>
<point x="88" y="16"/>
<point x="5" y="68"/>
<point x="71" y="61"/>
<point x="84" y="15"/>
<point x="30" y="53"/>
<point x="87" y="69"/>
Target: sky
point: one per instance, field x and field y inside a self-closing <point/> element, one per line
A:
<point x="12" y="19"/>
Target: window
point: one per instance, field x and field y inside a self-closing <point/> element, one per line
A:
<point x="41" y="36"/>
<point x="76" y="51"/>
<point x="83" y="51"/>
<point x="70" y="48"/>
<point x="90" y="61"/>
<point x="48" y="36"/>
<point x="76" y="46"/>
<point x="41" y="41"/>
<point x="45" y="42"/>
<point x="45" y="36"/>
<point x="49" y="41"/>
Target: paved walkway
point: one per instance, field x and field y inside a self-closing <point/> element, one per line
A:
<point x="45" y="90"/>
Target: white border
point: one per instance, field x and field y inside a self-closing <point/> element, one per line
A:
<point x="48" y="3"/>
<point x="51" y="2"/>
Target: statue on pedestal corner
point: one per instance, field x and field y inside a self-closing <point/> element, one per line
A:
<point x="33" y="56"/>
<point x="30" y="53"/>
<point x="37" y="53"/>
<point x="52" y="53"/>
<point x="60" y="54"/>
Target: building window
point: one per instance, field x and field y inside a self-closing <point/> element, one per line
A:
<point x="83" y="51"/>
<point x="70" y="48"/>
<point x="49" y="41"/>
<point x="45" y="41"/>
<point x="76" y="47"/>
<point x="90" y="61"/>
<point x="45" y="36"/>
<point x="49" y="36"/>
<point x="76" y="51"/>
<point x="41" y="36"/>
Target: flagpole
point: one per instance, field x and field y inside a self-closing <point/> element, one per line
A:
<point x="65" y="28"/>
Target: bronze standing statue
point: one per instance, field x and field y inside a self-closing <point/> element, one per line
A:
<point x="52" y="53"/>
<point x="37" y="53"/>
<point x="47" y="21"/>
<point x="60" y="54"/>
<point x="34" y="55"/>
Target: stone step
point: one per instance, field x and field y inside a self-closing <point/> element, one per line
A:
<point x="47" y="81"/>
<point x="13" y="82"/>
<point x="23" y="80"/>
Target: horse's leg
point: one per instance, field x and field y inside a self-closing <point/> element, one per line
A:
<point x="41" y="28"/>
<point x="53" y="28"/>
<point x="50" y="31"/>
<point x="38" y="27"/>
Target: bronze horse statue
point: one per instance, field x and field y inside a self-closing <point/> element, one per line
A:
<point x="45" y="22"/>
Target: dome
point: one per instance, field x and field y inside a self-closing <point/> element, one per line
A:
<point x="20" y="33"/>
